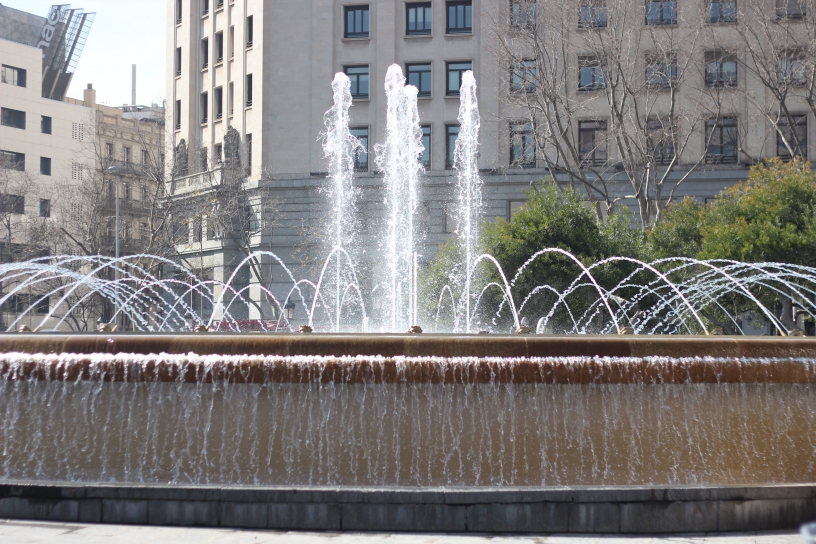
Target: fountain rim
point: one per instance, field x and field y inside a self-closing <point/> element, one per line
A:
<point x="407" y="359"/>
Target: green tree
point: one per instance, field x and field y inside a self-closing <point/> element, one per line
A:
<point x="550" y="218"/>
<point x="771" y="217"/>
<point x="678" y="234"/>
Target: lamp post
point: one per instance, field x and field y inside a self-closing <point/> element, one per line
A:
<point x="118" y="173"/>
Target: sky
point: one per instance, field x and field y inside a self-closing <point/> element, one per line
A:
<point x="124" y="33"/>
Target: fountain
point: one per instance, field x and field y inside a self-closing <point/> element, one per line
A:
<point x="588" y="431"/>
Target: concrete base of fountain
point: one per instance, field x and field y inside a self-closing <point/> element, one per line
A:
<point x="652" y="509"/>
<point x="410" y="432"/>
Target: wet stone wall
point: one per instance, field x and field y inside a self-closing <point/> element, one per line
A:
<point x="331" y="423"/>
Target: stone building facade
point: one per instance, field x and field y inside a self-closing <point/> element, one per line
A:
<point x="265" y="68"/>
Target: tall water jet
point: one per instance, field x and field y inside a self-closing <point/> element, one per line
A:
<point x="339" y="146"/>
<point x="468" y="182"/>
<point x="400" y="160"/>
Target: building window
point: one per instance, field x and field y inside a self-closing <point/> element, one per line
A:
<point x="219" y="4"/>
<point x="219" y="47"/>
<point x="523" y="77"/>
<point x="795" y="134"/>
<point x="249" y="32"/>
<point x="178" y="61"/>
<point x="143" y="231"/>
<point x="204" y="108"/>
<point x="523" y="14"/>
<point x="592" y="14"/>
<point x="249" y="90"/>
<point x="359" y="80"/>
<point x="792" y="69"/>
<point x="12" y="118"/>
<point x="513" y="207"/>
<point x="248" y="146"/>
<point x="356" y="22"/>
<point x="45" y="124"/>
<point x="426" y="147"/>
<point x="218" y="153"/>
<point x="143" y="193"/>
<point x="722" y="138"/>
<point x="522" y="145"/>
<point x="218" y="103"/>
<point x="591" y="74"/>
<point x="593" y="142"/>
<point x="418" y="19"/>
<point x="13" y="76"/>
<point x="12" y="160"/>
<point x="455" y="72"/>
<point x="109" y="151"/>
<point x="360" y="152"/>
<point x="205" y="8"/>
<point x="177" y="115"/>
<point x="126" y="156"/>
<point x="660" y="139"/>
<point x="45" y="166"/>
<point x="419" y="75"/>
<point x="145" y="157"/>
<point x="661" y="13"/>
<point x="460" y="17"/>
<point x="45" y="207"/>
<point x="231" y="42"/>
<point x="205" y="53"/>
<point x="661" y="72"/>
<point x="451" y="134"/>
<point x="721" y="69"/>
<point x="12" y="204"/>
<point x="791" y="9"/>
<point x="721" y="12"/>
<point x="178" y="12"/>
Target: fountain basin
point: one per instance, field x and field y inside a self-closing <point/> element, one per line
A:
<point x="393" y="432"/>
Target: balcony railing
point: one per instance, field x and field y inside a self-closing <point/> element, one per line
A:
<point x="129" y="167"/>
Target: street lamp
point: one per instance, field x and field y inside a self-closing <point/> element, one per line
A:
<point x="118" y="173"/>
<point x="290" y="310"/>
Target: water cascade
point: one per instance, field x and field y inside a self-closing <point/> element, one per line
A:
<point x="399" y="159"/>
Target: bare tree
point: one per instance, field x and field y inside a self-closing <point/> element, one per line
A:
<point x="212" y="207"/>
<point x="779" y="52"/>
<point x="609" y="99"/>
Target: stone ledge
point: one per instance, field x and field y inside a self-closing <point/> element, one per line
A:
<point x="657" y="509"/>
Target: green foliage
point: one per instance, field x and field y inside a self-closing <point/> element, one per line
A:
<point x="678" y="234"/>
<point x="769" y="218"/>
<point x="551" y="218"/>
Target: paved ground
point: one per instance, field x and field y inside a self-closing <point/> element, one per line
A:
<point x="31" y="532"/>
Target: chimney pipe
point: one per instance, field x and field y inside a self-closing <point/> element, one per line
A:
<point x="133" y="88"/>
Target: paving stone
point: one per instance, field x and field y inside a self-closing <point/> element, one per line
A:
<point x="243" y="514"/>
<point x="594" y="517"/>
<point x="765" y="514"/>
<point x="40" y="509"/>
<point x="668" y="517"/>
<point x="319" y="517"/>
<point x="403" y="517"/>
<point x="519" y="518"/>
<point x="183" y="513"/>
<point x="124" y="511"/>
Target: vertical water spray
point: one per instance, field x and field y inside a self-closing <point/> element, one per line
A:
<point x="400" y="160"/>
<point x="468" y="182"/>
<point x="339" y="147"/>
